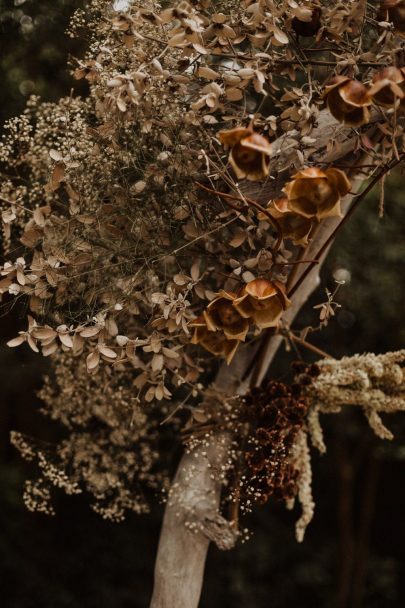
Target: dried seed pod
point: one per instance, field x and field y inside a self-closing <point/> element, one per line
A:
<point x="250" y="152"/>
<point x="295" y="227"/>
<point x="214" y="342"/>
<point x="388" y="86"/>
<point x="348" y="101"/>
<point x="394" y="11"/>
<point x="314" y="193"/>
<point x="263" y="302"/>
<point x="307" y="21"/>
<point x="221" y="315"/>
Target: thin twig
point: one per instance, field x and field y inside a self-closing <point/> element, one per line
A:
<point x="309" y="346"/>
<point x="249" y="201"/>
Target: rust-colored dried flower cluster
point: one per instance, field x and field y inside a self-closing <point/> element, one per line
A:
<point x="227" y="319"/>
<point x="277" y="412"/>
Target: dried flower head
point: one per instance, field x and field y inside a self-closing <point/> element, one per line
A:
<point x="250" y="152"/>
<point x="388" y="86"/>
<point x="263" y="302"/>
<point x="314" y="193"/>
<point x="222" y="315"/>
<point x="348" y="101"/>
<point x="213" y="341"/>
<point x="101" y="453"/>
<point x="295" y="227"/>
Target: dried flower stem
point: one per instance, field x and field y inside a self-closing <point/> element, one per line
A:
<point x="250" y="202"/>
<point x="306" y="344"/>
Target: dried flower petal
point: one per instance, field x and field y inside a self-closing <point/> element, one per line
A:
<point x="314" y="193"/>
<point x="388" y="86"/>
<point x="263" y="302"/>
<point x="250" y="152"/>
<point x="348" y="101"/>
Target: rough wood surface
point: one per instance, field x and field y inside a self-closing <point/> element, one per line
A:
<point x="196" y="490"/>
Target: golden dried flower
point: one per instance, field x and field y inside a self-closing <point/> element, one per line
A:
<point x="307" y="21"/>
<point x="314" y="193"/>
<point x="295" y="227"/>
<point x="263" y="302"/>
<point x="213" y="341"/>
<point x="348" y="101"/>
<point x="388" y="86"/>
<point x="250" y="152"/>
<point x="394" y="11"/>
<point x="222" y="316"/>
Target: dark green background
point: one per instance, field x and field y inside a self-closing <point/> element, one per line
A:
<point x="353" y="555"/>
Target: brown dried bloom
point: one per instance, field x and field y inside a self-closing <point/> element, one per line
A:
<point x="262" y="301"/>
<point x="394" y="11"/>
<point x="250" y="152"/>
<point x="295" y="227"/>
<point x="213" y="341"/>
<point x="314" y="193"/>
<point x="388" y="86"/>
<point x="348" y="101"/>
<point x="307" y="21"/>
<point x="221" y="315"/>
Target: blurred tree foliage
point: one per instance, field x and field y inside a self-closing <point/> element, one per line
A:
<point x="370" y="255"/>
<point x="34" y="51"/>
<point x="353" y="553"/>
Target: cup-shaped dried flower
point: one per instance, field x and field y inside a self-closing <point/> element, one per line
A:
<point x="263" y="302"/>
<point x="348" y="101"/>
<point x="213" y="341"/>
<point x="221" y="315"/>
<point x="293" y="226"/>
<point x="307" y="21"/>
<point x="316" y="193"/>
<point x="388" y="86"/>
<point x="394" y="11"/>
<point x="250" y="152"/>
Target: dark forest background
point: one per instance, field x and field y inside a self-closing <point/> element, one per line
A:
<point x="353" y="555"/>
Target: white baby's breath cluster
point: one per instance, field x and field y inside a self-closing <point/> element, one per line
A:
<point x="110" y="449"/>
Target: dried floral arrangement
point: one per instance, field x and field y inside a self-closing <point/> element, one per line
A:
<point x="164" y="232"/>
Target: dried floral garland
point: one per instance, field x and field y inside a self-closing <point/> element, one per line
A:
<point x="128" y="225"/>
